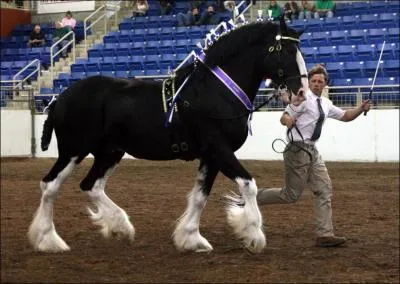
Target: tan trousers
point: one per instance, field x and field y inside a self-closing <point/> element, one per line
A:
<point x="300" y="170"/>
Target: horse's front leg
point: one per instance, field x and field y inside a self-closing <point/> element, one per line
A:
<point x="243" y="215"/>
<point x="187" y="236"/>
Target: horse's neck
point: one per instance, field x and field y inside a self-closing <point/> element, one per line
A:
<point x="245" y="70"/>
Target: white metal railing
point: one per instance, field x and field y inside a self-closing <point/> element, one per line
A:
<point x="116" y="5"/>
<point x="85" y="22"/>
<point x="18" y="83"/>
<point x="53" y="55"/>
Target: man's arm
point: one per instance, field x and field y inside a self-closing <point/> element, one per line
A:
<point x="352" y="114"/>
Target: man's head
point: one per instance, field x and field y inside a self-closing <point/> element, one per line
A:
<point x="272" y="3"/>
<point x="37" y="29"/>
<point x="318" y="79"/>
<point x="210" y="9"/>
<point x="195" y="11"/>
<point x="68" y="15"/>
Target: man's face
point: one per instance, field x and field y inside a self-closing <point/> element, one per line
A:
<point x="317" y="83"/>
<point x="37" y="29"/>
<point x="195" y="11"/>
<point x="68" y="16"/>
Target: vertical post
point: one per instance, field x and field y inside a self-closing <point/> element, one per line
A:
<point x="32" y="109"/>
<point x="73" y="48"/>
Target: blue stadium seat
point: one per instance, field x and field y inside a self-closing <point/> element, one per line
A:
<point x="92" y="67"/>
<point x="391" y="50"/>
<point x="350" y="22"/>
<point x="107" y="73"/>
<point x="362" y="81"/>
<point x="79" y="75"/>
<point x="122" y="74"/>
<point x="320" y="38"/>
<point x="368" y="21"/>
<point x="338" y="37"/>
<point x="135" y="65"/>
<point x="393" y="34"/>
<point x="342" y="82"/>
<point x="389" y="19"/>
<point x="314" y="25"/>
<point x="92" y="73"/>
<point x="327" y="53"/>
<point x="377" y="7"/>
<point x="365" y="52"/>
<point x="370" y="68"/>
<point x="345" y="52"/>
<point x="309" y="53"/>
<point x="107" y="66"/>
<point x="357" y="36"/>
<point x="353" y="69"/>
<point x="376" y="35"/>
<point x="391" y="68"/>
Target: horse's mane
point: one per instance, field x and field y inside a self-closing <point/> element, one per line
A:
<point x="238" y="41"/>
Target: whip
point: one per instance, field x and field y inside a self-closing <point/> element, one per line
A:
<point x="376" y="72"/>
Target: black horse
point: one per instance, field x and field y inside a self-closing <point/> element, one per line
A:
<point x="108" y="117"/>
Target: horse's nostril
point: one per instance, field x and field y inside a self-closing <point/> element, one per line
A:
<point x="300" y="93"/>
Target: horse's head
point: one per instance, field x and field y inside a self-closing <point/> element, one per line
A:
<point x="285" y="65"/>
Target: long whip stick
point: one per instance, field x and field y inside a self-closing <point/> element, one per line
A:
<point x="376" y="73"/>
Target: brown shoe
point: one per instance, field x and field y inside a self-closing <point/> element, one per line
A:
<point x="330" y="241"/>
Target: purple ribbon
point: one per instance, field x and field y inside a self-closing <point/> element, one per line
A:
<point x="232" y="86"/>
<point x="229" y="83"/>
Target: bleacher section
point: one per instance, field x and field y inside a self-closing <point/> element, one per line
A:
<point x="349" y="44"/>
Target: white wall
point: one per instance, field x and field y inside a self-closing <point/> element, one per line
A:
<point x="371" y="138"/>
<point x="15" y="133"/>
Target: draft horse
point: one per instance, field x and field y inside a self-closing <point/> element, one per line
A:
<point x="108" y="117"/>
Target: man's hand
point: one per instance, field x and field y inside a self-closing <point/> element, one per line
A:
<point x="287" y="120"/>
<point x="366" y="105"/>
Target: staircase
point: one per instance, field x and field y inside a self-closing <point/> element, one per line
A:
<point x="64" y="65"/>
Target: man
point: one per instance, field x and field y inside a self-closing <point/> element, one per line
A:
<point x="58" y="33"/>
<point x="36" y="37"/>
<point x="324" y="8"/>
<point x="303" y="163"/>
<point x="209" y="17"/>
<point x="191" y="18"/>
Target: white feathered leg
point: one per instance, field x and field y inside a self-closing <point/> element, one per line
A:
<point x="112" y="219"/>
<point x="42" y="233"/>
<point x="246" y="219"/>
<point x="187" y="236"/>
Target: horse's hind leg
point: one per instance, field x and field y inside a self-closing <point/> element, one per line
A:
<point x="109" y="216"/>
<point x="42" y="233"/>
<point x="187" y="236"/>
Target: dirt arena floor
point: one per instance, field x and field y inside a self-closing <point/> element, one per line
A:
<point x="365" y="208"/>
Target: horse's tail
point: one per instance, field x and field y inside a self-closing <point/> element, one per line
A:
<point x="48" y="127"/>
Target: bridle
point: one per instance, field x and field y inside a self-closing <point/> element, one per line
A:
<point x="280" y="73"/>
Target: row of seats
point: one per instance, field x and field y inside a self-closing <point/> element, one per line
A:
<point x="347" y="22"/>
<point x="125" y="63"/>
<point x="360" y="52"/>
<point x="350" y="37"/>
<point x="359" y="7"/>
<point x="354" y="69"/>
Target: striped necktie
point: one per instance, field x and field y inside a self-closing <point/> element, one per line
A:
<point x="318" y="126"/>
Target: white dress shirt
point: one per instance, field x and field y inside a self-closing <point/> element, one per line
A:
<point x="307" y="115"/>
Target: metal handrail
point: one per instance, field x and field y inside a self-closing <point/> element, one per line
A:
<point x="53" y="55"/>
<point x="86" y="28"/>
<point x="115" y="4"/>
<point x="19" y="84"/>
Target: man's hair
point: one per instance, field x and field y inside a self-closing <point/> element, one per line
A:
<point x="318" y="69"/>
<point x="68" y="13"/>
